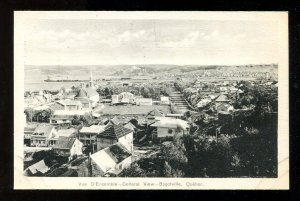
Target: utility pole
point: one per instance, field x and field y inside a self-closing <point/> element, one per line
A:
<point x="89" y="165"/>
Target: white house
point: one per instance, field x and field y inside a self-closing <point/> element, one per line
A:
<point x="115" y="134"/>
<point x="42" y="135"/>
<point x="66" y="116"/>
<point x="68" y="146"/>
<point x="111" y="160"/>
<point x="164" y="100"/>
<point x="143" y="101"/>
<point x="170" y="127"/>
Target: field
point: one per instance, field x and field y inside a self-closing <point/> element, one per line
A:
<point x="133" y="109"/>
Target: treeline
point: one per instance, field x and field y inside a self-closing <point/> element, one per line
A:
<point x="148" y="91"/>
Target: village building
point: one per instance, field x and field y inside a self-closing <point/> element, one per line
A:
<point x="113" y="121"/>
<point x="68" y="147"/>
<point x="110" y="161"/>
<point x="115" y="134"/>
<point x="28" y="131"/>
<point x="70" y="104"/>
<point x="143" y="101"/>
<point x="169" y="127"/>
<point x="42" y="135"/>
<point x="37" y="169"/>
<point x="61" y="117"/>
<point x="71" y="132"/>
<point x="84" y="99"/>
<point x="222" y="99"/>
<point x="88" y="135"/>
<point x="164" y="100"/>
<point x="224" y="107"/>
<point x="203" y="102"/>
<point x="152" y="114"/>
<point x="126" y="97"/>
<point x="130" y="126"/>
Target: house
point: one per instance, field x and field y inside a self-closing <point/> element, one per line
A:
<point x="143" y="101"/>
<point x="223" y="89"/>
<point x="169" y="127"/>
<point x="83" y="98"/>
<point x="115" y="134"/>
<point x="204" y="102"/>
<point x="130" y="126"/>
<point x="224" y="107"/>
<point x="68" y="146"/>
<point x="65" y="116"/>
<point x="42" y="134"/>
<point x="222" y="99"/>
<point x="126" y="97"/>
<point x="113" y="121"/>
<point x="110" y="161"/>
<point x="28" y="131"/>
<point x="114" y="99"/>
<point x="88" y="135"/>
<point x="71" y="132"/>
<point x="164" y="100"/>
<point x="152" y="114"/>
<point x="70" y="104"/>
<point x="233" y="89"/>
<point x="37" y="169"/>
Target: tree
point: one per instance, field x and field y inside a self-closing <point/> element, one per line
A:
<point x="29" y="114"/>
<point x="133" y="170"/>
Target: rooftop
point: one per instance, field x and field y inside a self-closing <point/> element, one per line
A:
<point x="167" y="122"/>
<point x="43" y="130"/>
<point x="64" y="143"/>
<point x="114" y="132"/>
<point x="93" y="129"/>
<point x="65" y="132"/>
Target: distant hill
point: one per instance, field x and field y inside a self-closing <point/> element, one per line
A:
<point x="131" y="70"/>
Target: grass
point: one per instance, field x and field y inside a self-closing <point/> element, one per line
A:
<point x="133" y="109"/>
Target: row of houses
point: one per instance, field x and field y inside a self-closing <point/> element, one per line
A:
<point x="129" y="98"/>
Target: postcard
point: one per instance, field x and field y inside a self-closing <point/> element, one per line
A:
<point x="151" y="100"/>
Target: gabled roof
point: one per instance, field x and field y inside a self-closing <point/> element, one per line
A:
<point x="109" y="157"/>
<point x="93" y="129"/>
<point x="65" y="132"/>
<point x="115" y="121"/>
<point x="114" y="132"/>
<point x="155" y="113"/>
<point x="81" y="94"/>
<point x="43" y="130"/>
<point x="130" y="126"/>
<point x="69" y="102"/>
<point x="222" y="98"/>
<point x="167" y="122"/>
<point x="64" y="143"/>
<point x="39" y="167"/>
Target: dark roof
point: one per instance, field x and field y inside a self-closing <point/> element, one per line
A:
<point x="81" y="94"/>
<point x="117" y="152"/>
<point x="114" y="132"/>
<point x="155" y="113"/>
<point x="43" y="130"/>
<point x="64" y="143"/>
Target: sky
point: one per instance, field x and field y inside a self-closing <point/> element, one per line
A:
<point x="147" y="41"/>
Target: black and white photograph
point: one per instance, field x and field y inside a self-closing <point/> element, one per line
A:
<point x="151" y="100"/>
